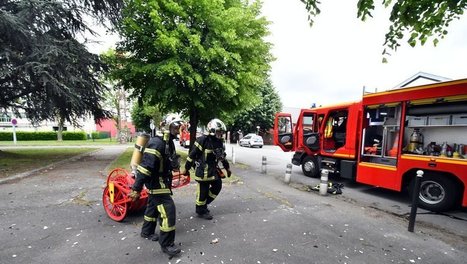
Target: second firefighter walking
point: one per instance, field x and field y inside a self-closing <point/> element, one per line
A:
<point x="208" y="157"/>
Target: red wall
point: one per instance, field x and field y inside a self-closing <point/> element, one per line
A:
<point x="110" y="125"/>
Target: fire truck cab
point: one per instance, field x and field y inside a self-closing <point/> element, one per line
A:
<point x="184" y="135"/>
<point x="324" y="137"/>
<point x="386" y="138"/>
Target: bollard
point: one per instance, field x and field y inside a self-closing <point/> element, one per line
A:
<point x="416" y="193"/>
<point x="288" y="173"/>
<point x="264" y="168"/>
<point x="233" y="155"/>
<point x="323" y="185"/>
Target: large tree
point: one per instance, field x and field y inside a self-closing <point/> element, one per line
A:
<point x="116" y="98"/>
<point x="417" y="20"/>
<point x="144" y="114"/>
<point x="261" y="115"/>
<point x="44" y="69"/>
<point x="200" y="58"/>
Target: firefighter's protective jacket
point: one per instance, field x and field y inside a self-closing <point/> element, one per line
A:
<point x="206" y="154"/>
<point x="328" y="129"/>
<point x="155" y="170"/>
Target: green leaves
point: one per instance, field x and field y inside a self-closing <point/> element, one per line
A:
<point x="200" y="58"/>
<point x="44" y="69"/>
<point x="313" y="10"/>
<point x="365" y="7"/>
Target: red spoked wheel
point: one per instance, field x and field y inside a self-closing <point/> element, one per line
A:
<point x="115" y="198"/>
<point x="117" y="209"/>
<point x="118" y="175"/>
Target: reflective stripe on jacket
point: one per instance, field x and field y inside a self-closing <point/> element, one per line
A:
<point x="155" y="170"/>
<point x="203" y="155"/>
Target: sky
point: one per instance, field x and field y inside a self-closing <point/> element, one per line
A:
<point x="332" y="61"/>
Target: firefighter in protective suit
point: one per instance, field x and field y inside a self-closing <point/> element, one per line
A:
<point x="155" y="171"/>
<point x="207" y="155"/>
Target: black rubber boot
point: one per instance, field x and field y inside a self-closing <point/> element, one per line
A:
<point x="152" y="237"/>
<point x="171" y="250"/>
<point x="206" y="216"/>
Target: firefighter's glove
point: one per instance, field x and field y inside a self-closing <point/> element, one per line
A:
<point x="229" y="173"/>
<point x="134" y="195"/>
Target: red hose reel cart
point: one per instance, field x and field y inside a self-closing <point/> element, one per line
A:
<point x="115" y="198"/>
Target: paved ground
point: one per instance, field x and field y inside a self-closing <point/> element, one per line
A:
<point x="56" y="216"/>
<point x="392" y="202"/>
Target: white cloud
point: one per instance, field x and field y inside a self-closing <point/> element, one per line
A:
<point x="332" y="61"/>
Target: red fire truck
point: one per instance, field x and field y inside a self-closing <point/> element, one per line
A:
<point x="385" y="138"/>
<point x="184" y="136"/>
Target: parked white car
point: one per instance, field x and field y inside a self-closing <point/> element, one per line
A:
<point x="251" y="140"/>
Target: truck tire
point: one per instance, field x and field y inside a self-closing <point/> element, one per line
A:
<point x="438" y="193"/>
<point x="310" y="166"/>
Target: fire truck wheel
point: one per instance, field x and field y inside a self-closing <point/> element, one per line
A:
<point x="437" y="193"/>
<point x="310" y="167"/>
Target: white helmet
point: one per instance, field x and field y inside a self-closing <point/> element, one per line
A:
<point x="171" y="123"/>
<point x="216" y="127"/>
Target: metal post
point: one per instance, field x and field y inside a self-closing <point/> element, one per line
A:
<point x="264" y="169"/>
<point x="323" y="185"/>
<point x="14" y="134"/>
<point x="233" y="155"/>
<point x="416" y="193"/>
<point x="288" y="173"/>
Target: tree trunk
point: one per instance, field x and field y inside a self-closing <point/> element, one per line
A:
<point x="61" y="122"/>
<point x="118" y="119"/>
<point x="193" y="126"/>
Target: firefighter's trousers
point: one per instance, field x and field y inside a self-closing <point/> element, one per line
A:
<point x="162" y="207"/>
<point x="206" y="193"/>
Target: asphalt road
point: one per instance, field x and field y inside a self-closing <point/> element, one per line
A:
<point x="392" y="202"/>
<point x="56" y="216"/>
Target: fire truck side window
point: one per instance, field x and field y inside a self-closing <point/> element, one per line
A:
<point x="285" y="125"/>
<point x="307" y="124"/>
<point x="381" y="134"/>
<point x="335" y="130"/>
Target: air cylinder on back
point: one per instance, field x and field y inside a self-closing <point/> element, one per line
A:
<point x="140" y="144"/>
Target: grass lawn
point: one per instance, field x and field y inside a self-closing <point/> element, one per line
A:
<point x="123" y="161"/>
<point x="14" y="161"/>
<point x="106" y="141"/>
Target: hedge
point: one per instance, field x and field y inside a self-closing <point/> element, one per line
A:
<point x="74" y="135"/>
<point x="38" y="136"/>
<point x="100" y="134"/>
